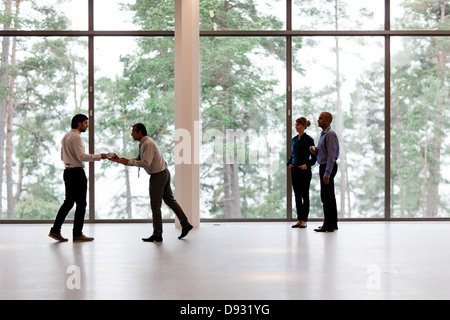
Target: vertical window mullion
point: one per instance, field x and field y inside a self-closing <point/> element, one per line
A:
<point x="288" y="105"/>
<point x="387" y="110"/>
<point x="91" y="111"/>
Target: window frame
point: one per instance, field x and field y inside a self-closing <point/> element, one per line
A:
<point x="289" y="34"/>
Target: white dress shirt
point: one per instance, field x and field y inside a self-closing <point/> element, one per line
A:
<point x="72" y="151"/>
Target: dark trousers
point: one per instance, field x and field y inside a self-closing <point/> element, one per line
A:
<point x="301" y="180"/>
<point x="328" y="198"/>
<point x="160" y="190"/>
<point x="75" y="182"/>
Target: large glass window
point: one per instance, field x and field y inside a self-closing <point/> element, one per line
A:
<point x="419" y="112"/>
<point x="43" y="84"/>
<point x="243" y="131"/>
<point x="420" y="158"/>
<point x="135" y="84"/>
<point x="345" y="76"/>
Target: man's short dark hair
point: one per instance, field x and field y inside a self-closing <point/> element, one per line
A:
<point x="139" y="127"/>
<point x="78" y="118"/>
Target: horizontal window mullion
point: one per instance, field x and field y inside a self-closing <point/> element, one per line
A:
<point x="56" y="33"/>
<point x="225" y="33"/>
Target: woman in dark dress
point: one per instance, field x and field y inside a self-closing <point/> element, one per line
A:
<point x="300" y="162"/>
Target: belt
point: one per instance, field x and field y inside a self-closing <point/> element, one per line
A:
<point x="75" y="168"/>
<point x="166" y="169"/>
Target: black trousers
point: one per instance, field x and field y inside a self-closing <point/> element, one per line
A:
<point x="75" y="182"/>
<point x="160" y="190"/>
<point x="301" y="181"/>
<point x="328" y="197"/>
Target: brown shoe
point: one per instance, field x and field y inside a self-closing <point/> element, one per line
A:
<point x="57" y="237"/>
<point x="82" y="238"/>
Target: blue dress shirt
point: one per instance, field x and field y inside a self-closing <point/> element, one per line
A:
<point x="328" y="150"/>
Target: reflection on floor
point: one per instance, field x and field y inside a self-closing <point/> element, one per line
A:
<point x="229" y="261"/>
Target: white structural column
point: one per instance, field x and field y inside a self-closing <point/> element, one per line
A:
<point x="187" y="88"/>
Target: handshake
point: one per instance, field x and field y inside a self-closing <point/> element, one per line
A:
<point x="114" y="157"/>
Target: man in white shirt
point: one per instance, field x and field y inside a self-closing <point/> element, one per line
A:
<point x="151" y="159"/>
<point x="73" y="155"/>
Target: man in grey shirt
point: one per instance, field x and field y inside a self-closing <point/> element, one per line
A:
<point x="151" y="159"/>
<point x="75" y="181"/>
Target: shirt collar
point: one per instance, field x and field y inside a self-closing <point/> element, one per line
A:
<point x="326" y="130"/>
<point x="143" y="140"/>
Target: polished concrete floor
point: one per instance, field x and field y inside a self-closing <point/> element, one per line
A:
<point x="229" y="261"/>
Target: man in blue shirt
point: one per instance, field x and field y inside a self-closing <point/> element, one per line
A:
<point x="327" y="151"/>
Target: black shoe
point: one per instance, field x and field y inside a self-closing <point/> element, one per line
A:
<point x="335" y="228"/>
<point x="153" y="239"/>
<point x="321" y="229"/>
<point x="299" y="225"/>
<point x="185" y="231"/>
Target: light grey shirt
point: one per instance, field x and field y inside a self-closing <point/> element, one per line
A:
<point x="72" y="151"/>
<point x="150" y="157"/>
